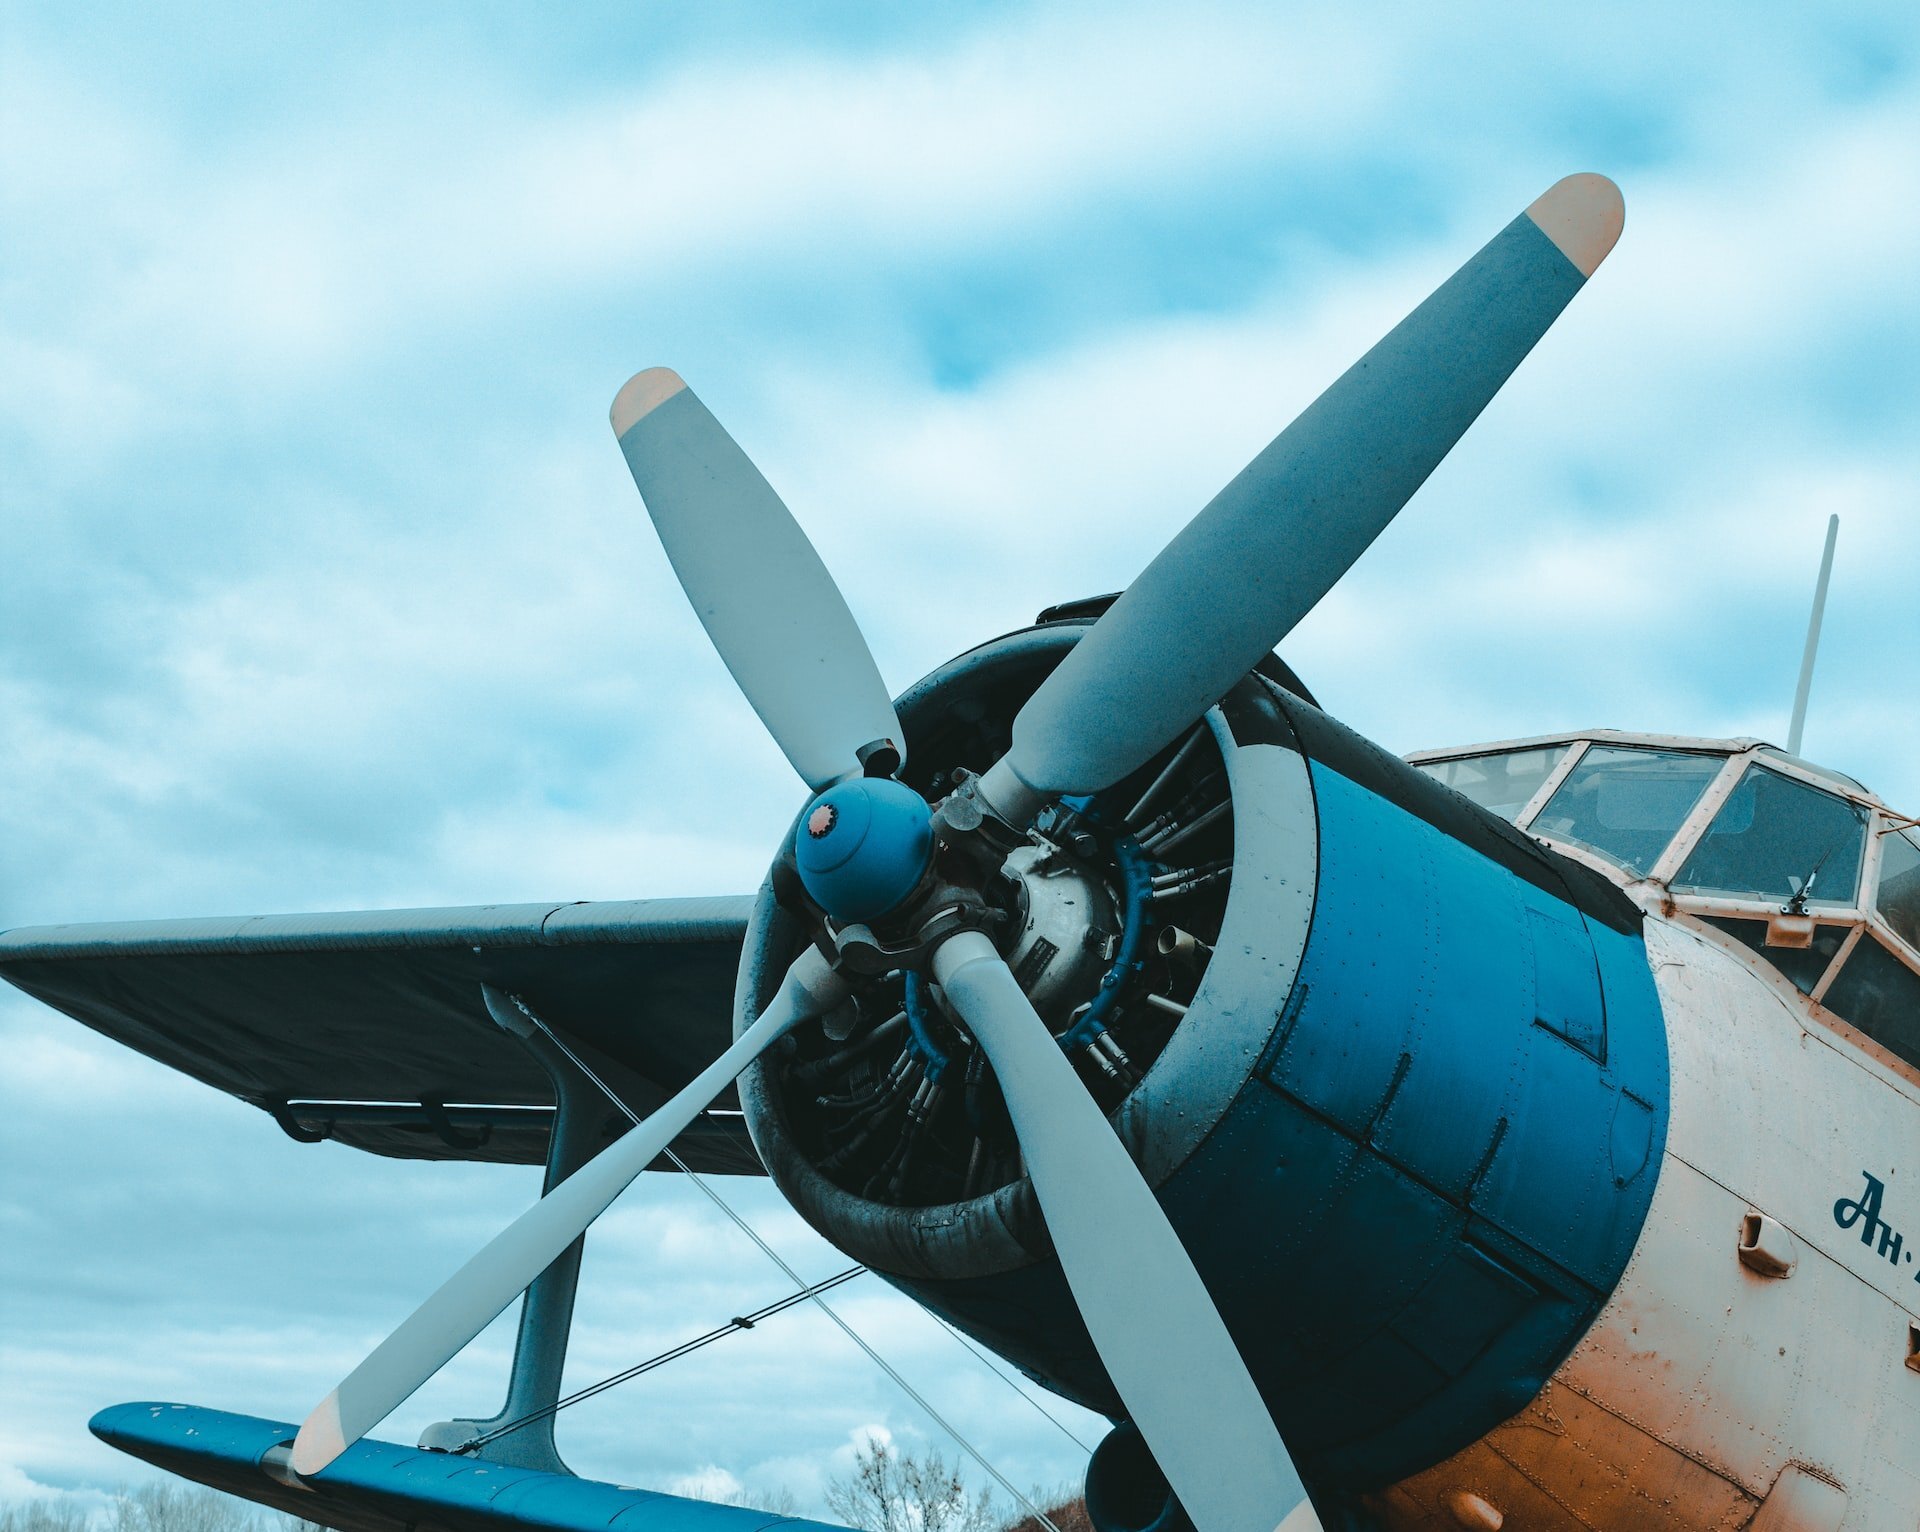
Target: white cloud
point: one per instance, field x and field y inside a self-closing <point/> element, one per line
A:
<point x="709" y="1483"/>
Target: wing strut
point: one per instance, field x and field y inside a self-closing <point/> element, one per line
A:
<point x="1034" y="1512"/>
<point x="546" y="1313"/>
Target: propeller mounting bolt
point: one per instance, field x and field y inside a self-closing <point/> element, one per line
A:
<point x="878" y="758"/>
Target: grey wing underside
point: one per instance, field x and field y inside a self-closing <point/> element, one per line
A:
<point x="368" y="1027"/>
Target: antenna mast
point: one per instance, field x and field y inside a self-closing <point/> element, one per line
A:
<point x="1813" y="641"/>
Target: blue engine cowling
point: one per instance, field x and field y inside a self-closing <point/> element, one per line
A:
<point x="1409" y="1127"/>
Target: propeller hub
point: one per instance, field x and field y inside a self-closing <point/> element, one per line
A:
<point x="1069" y="930"/>
<point x="863" y="846"/>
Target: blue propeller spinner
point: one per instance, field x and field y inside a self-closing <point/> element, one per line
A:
<point x="863" y="846"/>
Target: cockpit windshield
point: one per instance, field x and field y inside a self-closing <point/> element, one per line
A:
<point x="1503" y="784"/>
<point x="1783" y="834"/>
<point x="1777" y="838"/>
<point x="1899" y="897"/>
<point x="1626" y="803"/>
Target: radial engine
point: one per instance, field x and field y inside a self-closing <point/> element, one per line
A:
<point x="1396" y="1072"/>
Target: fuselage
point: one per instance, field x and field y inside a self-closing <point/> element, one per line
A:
<point x="1759" y="1350"/>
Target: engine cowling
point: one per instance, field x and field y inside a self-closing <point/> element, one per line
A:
<point x="1396" y="1072"/>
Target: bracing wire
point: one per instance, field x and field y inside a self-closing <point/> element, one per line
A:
<point x="685" y="1348"/>
<point x="992" y="1367"/>
<point x="873" y="1356"/>
<point x="808" y="1292"/>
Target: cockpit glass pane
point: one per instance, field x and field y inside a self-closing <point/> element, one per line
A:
<point x="1899" y="897"/>
<point x="1502" y="784"/>
<point x="1775" y="835"/>
<point x="1880" y="995"/>
<point x="1626" y="803"/>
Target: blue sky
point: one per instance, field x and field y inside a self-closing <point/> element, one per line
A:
<point x="325" y="586"/>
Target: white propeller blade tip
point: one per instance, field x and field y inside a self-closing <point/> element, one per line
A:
<point x="642" y="394"/>
<point x="321" y="1438"/>
<point x="1582" y="214"/>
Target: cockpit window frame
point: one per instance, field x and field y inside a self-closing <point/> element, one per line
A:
<point x="1550" y="784"/>
<point x="1820" y="901"/>
<point x="1736" y="757"/>
<point x="1570" y="750"/>
<point x="1879" y="827"/>
<point x="1607" y="859"/>
<point x="1694" y="826"/>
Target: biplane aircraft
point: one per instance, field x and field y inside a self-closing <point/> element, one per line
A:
<point x="1519" y="1136"/>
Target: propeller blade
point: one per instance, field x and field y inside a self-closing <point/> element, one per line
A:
<point x="1162" y="1340"/>
<point x="756" y="583"/>
<point x="436" y="1331"/>
<point x="1255" y="561"/>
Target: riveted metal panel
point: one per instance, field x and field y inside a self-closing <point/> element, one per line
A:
<point x="1706" y="1388"/>
<point x="1422" y="1280"/>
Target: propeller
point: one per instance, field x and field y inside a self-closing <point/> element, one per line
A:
<point x="1162" y="1341"/>
<point x="470" y="1299"/>
<point x="1264" y="551"/>
<point x="757" y="585"/>
<point x="1223" y="592"/>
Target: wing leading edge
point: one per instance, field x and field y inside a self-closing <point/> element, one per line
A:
<point x="368" y="1027"/>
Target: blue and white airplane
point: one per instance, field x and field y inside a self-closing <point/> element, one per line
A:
<point x="1523" y="1136"/>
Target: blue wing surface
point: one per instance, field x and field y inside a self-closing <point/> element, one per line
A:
<point x="380" y="1487"/>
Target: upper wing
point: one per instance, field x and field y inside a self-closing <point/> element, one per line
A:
<point x="369" y="1027"/>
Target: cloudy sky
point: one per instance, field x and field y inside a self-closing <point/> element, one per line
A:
<point x="324" y="585"/>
